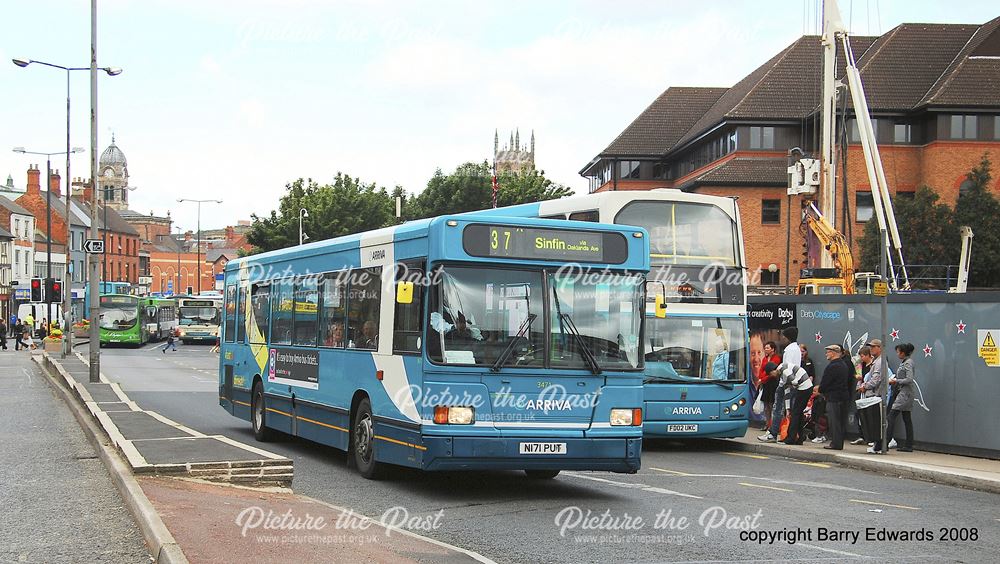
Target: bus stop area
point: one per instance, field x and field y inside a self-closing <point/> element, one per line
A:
<point x="153" y="444"/>
<point x="948" y="469"/>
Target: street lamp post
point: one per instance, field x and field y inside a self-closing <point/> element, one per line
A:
<point x="67" y="298"/>
<point x="48" y="225"/>
<point x="302" y="214"/>
<point x="199" y="202"/>
<point x="177" y="289"/>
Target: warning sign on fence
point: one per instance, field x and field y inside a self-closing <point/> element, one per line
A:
<point x="987" y="342"/>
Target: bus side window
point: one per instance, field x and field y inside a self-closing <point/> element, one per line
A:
<point x="406" y="333"/>
<point x="281" y="313"/>
<point x="306" y="311"/>
<point x="554" y="216"/>
<point x="260" y="304"/>
<point x="334" y="308"/>
<point x="591" y="215"/>
<point x="230" y="320"/>
<point x="241" y="315"/>
<point x="363" y="307"/>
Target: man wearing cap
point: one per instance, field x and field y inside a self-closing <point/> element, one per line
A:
<point x="836" y="388"/>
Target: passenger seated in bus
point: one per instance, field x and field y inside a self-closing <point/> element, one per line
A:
<point x="335" y="336"/>
<point x="369" y="336"/>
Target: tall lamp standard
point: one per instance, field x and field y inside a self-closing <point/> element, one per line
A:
<point x="199" y="202"/>
<point x="177" y="289"/>
<point x="48" y="226"/>
<point x="67" y="297"/>
<point x="302" y="214"/>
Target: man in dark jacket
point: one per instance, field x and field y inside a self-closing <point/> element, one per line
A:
<point x="836" y="388"/>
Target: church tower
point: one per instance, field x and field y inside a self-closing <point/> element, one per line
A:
<point x="513" y="158"/>
<point x="112" y="181"/>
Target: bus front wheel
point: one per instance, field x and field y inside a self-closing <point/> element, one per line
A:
<point x="258" y="415"/>
<point x="541" y="474"/>
<point x="363" y="442"/>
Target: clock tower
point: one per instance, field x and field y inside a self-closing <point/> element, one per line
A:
<point x="112" y="180"/>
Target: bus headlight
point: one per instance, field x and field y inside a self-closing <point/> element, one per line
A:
<point x="734" y="407"/>
<point x="454" y="415"/>
<point x="626" y="417"/>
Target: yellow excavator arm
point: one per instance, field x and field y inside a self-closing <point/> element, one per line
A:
<point x="834" y="242"/>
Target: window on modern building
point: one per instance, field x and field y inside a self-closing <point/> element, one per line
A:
<point x="964" y="187"/>
<point x="732" y="142"/>
<point x="770" y="212"/>
<point x="865" y="206"/>
<point x="591" y="215"/>
<point x="761" y="137"/>
<point x="661" y="171"/>
<point x="963" y="126"/>
<point x="628" y="169"/>
<point x="768" y="278"/>
<point x="901" y="133"/>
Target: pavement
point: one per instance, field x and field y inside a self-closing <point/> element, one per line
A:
<point x="961" y="471"/>
<point x="58" y="500"/>
<point x="152" y="443"/>
<point x="184" y="517"/>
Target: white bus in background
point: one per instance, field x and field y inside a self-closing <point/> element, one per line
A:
<point x="697" y="361"/>
<point x="199" y="318"/>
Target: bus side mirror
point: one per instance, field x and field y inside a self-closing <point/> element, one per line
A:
<point x="661" y="306"/>
<point x="404" y="292"/>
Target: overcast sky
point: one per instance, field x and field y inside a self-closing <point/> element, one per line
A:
<point x="234" y="99"/>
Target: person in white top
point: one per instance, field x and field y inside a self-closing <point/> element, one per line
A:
<point x="791" y="358"/>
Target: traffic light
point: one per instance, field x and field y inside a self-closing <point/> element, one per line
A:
<point x="36" y="289"/>
<point x="53" y="290"/>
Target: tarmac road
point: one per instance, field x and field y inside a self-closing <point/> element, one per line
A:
<point x="690" y="502"/>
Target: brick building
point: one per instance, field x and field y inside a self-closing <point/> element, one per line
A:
<point x="933" y="95"/>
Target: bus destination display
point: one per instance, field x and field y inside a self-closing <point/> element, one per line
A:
<point x="534" y="243"/>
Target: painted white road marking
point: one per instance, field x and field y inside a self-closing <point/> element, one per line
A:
<point x="824" y="549"/>
<point x="885" y="504"/>
<point x="630" y="485"/>
<point x="765" y="487"/>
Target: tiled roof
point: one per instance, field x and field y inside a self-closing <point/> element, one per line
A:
<point x="762" y="171"/>
<point x="905" y="63"/>
<point x="789" y="86"/>
<point x="663" y="123"/>
<point x="13" y="207"/>
<point x="973" y="78"/>
<point x="6" y="234"/>
<point x="912" y="67"/>
<point x="115" y="222"/>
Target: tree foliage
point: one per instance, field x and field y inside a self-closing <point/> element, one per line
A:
<point x="929" y="230"/>
<point x="344" y="207"/>
<point x="470" y="188"/>
<point x="980" y="210"/>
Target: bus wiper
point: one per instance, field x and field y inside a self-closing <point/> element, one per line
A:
<point x="665" y="379"/>
<point x="584" y="349"/>
<point x="510" y="346"/>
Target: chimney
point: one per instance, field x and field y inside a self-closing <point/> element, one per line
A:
<point x="54" y="182"/>
<point x="83" y="190"/>
<point x="230" y="235"/>
<point x="34" y="186"/>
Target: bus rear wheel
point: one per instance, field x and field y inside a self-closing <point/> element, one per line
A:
<point x="363" y="442"/>
<point x="541" y="474"/>
<point x="258" y="415"/>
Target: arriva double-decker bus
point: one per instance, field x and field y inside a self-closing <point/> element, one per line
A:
<point x="199" y="318"/>
<point x="454" y="343"/>
<point x="697" y="362"/>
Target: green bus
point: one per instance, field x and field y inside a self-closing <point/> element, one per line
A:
<point x="135" y="320"/>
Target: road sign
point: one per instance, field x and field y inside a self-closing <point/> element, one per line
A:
<point x="880" y="289"/>
<point x="94" y="246"/>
